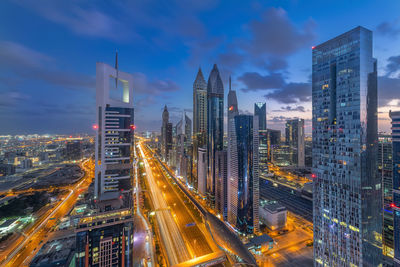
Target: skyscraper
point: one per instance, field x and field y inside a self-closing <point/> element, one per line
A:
<point x="215" y="127"/>
<point x="385" y="170"/>
<point x="395" y="116"/>
<point x="260" y="110"/>
<point x="294" y="132"/>
<point x="244" y="178"/>
<point x="164" y="143"/>
<point x="105" y="238"/>
<point x="199" y="122"/>
<point x="346" y="188"/>
<point x="221" y="186"/>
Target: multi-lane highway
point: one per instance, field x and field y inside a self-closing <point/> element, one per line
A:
<point x="38" y="234"/>
<point x="172" y="239"/>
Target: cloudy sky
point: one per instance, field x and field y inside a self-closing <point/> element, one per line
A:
<point x="49" y="50"/>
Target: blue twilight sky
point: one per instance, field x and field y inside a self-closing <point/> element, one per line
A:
<point x="48" y="51"/>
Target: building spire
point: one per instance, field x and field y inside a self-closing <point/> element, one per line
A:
<point x="230" y="84"/>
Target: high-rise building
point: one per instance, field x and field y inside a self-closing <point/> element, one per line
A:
<point x="199" y="122"/>
<point x="183" y="145"/>
<point x="294" y="134"/>
<point x="273" y="142"/>
<point x="385" y="170"/>
<point x="215" y="128"/>
<point x="395" y="116"/>
<point x="260" y="110"/>
<point x="168" y="141"/>
<point x="263" y="150"/>
<point x="346" y="188"/>
<point x="105" y="238"/>
<point x="164" y="136"/>
<point x="233" y="110"/>
<point x="202" y="171"/>
<point x="221" y="183"/>
<point x="243" y="204"/>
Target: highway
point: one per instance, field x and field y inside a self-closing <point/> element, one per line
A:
<point x="172" y="239"/>
<point x="38" y="234"/>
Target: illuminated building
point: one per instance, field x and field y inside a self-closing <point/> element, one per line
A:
<point x="346" y="189"/>
<point x="202" y="171"/>
<point x="199" y="122"/>
<point x="294" y="134"/>
<point x="385" y="170"/>
<point x="221" y="183"/>
<point x="106" y="237"/>
<point x="215" y="128"/>
<point x="395" y="116"/>
<point x="243" y="205"/>
<point x="273" y="141"/>
<point x="166" y="135"/>
<point x="273" y="215"/>
<point x="263" y="150"/>
<point x="260" y="110"/>
<point x="183" y="147"/>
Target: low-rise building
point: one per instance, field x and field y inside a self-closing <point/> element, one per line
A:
<point x="273" y="215"/>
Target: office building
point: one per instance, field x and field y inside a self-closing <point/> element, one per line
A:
<point x="263" y="150"/>
<point x="294" y="134"/>
<point x="273" y="141"/>
<point x="221" y="183"/>
<point x="202" y="171"/>
<point x="215" y="128"/>
<point x="199" y="122"/>
<point x="395" y="116"/>
<point x="346" y="188"/>
<point x="273" y="215"/>
<point x="385" y="171"/>
<point x="6" y="169"/>
<point x="260" y="110"/>
<point x="105" y="238"/>
<point x="166" y="135"/>
<point x="243" y="206"/>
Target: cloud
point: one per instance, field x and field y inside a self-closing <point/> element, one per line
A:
<point x="12" y="98"/>
<point x="387" y="89"/>
<point x="255" y="81"/>
<point x="393" y="64"/>
<point x="142" y="85"/>
<point x="292" y="93"/>
<point x="391" y="29"/>
<point x="276" y="35"/>
<point x="88" y="21"/>
<point x="25" y="63"/>
<point x="289" y="108"/>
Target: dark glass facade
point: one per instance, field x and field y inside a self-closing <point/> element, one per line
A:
<point x="346" y="188"/>
<point x="395" y="116"/>
<point x="260" y="110"/>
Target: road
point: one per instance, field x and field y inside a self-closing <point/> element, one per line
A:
<point x="41" y="229"/>
<point x="143" y="237"/>
<point x="172" y="239"/>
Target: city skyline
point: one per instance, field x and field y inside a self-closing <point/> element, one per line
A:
<point x="166" y="76"/>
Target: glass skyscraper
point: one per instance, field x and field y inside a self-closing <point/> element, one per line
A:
<point x="244" y="177"/>
<point x="346" y="189"/>
<point x="215" y="127"/>
<point x="395" y="116"/>
<point x="260" y="110"/>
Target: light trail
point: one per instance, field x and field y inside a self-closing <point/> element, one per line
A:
<point x="173" y="241"/>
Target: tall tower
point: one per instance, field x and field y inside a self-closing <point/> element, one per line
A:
<point x="215" y="127"/>
<point x="346" y="188"/>
<point x="232" y="111"/>
<point x="164" y="127"/>
<point x="244" y="176"/>
<point x="199" y="122"/>
<point x="100" y="241"/>
<point x="260" y="110"/>
<point x="395" y="116"/>
<point x="294" y="134"/>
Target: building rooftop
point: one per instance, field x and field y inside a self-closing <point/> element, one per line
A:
<point x="58" y="252"/>
<point x="274" y="207"/>
<point x="259" y="240"/>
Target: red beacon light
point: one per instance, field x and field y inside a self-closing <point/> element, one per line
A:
<point x="392" y="205"/>
<point x="313" y="175"/>
<point x="95" y="127"/>
<point x="133" y="127"/>
<point x="313" y="47"/>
